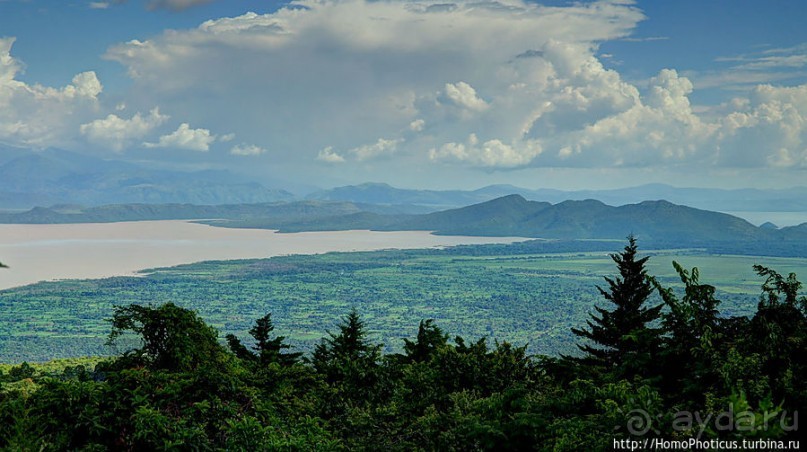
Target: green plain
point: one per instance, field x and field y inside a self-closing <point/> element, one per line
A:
<point x="522" y="298"/>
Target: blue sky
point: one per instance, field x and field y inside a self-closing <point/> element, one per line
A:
<point x="417" y="93"/>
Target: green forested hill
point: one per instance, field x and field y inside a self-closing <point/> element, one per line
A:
<point x="513" y="215"/>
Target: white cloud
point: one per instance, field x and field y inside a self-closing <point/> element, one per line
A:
<point x="379" y="148"/>
<point x="84" y="85"/>
<point x="659" y="128"/>
<point x="417" y="125"/>
<point x="247" y="149"/>
<point x="338" y="73"/>
<point x="492" y="153"/>
<point x="8" y="65"/>
<point x="39" y="116"/>
<point x="489" y="84"/>
<point x="99" y="5"/>
<point x="117" y="133"/>
<point x="185" y="138"/>
<point x="769" y="129"/>
<point x="748" y="70"/>
<point x="464" y="96"/>
<point x="328" y="155"/>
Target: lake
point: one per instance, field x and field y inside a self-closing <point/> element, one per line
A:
<point x="96" y="250"/>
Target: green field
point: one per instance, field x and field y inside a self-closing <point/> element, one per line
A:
<point x="522" y="298"/>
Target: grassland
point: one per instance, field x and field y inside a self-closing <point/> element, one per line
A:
<point x="501" y="292"/>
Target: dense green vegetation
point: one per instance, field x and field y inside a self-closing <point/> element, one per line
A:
<point x="526" y="293"/>
<point x="686" y="371"/>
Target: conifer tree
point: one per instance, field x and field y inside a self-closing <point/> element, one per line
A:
<point x="267" y="349"/>
<point x="349" y="346"/>
<point x="430" y="337"/>
<point x="348" y="361"/>
<point x="623" y="340"/>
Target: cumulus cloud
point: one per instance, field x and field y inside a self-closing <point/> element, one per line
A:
<point x="185" y="138"/>
<point x="39" y="116"/>
<point x="769" y="128"/>
<point x="337" y="73"/>
<point x="417" y="125"/>
<point x="464" y="96"/>
<point x="116" y="133"/>
<point x="649" y="132"/>
<point x="328" y="155"/>
<point x="380" y="147"/>
<point x="247" y="149"/>
<point x="492" y="153"/>
<point x="501" y="85"/>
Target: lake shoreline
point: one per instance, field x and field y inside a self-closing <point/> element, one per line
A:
<point x="48" y="252"/>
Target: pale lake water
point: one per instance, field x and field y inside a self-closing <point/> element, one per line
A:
<point x="97" y="250"/>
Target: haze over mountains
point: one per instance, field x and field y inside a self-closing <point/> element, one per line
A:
<point x="748" y="199"/>
<point x="29" y="179"/>
<point x="122" y="191"/>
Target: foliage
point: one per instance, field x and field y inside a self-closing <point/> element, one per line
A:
<point x="693" y="336"/>
<point x="267" y="350"/>
<point x="173" y="338"/>
<point x="625" y="339"/>
<point x="715" y="376"/>
<point x="523" y="294"/>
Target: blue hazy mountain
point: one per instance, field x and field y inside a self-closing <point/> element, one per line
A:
<point x="55" y="176"/>
<point x="778" y="200"/>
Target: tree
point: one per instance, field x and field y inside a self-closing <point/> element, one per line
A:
<point x="623" y="340"/>
<point x="778" y="334"/>
<point x="430" y="338"/>
<point x="348" y="362"/>
<point x="694" y="336"/>
<point x="776" y="285"/>
<point x="267" y="350"/>
<point x="172" y="338"/>
<point x="349" y="347"/>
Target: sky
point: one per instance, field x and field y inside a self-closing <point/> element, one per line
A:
<point x="419" y="94"/>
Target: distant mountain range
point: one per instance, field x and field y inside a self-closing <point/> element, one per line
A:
<point x="45" y="178"/>
<point x="273" y="215"/>
<point x="49" y="177"/>
<point x="769" y="200"/>
<point x="513" y="215"/>
<point x="658" y="222"/>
